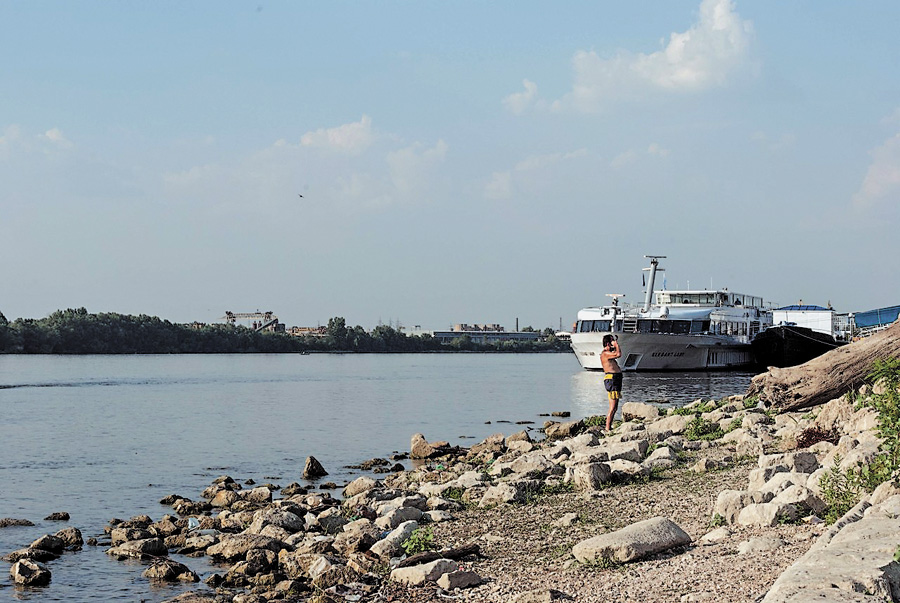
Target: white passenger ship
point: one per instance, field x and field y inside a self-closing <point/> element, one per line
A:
<point x="683" y="330"/>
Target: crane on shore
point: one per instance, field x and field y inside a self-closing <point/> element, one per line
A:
<point x="261" y="320"/>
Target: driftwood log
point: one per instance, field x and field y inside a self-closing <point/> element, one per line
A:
<point x="826" y="377"/>
<point x="429" y="556"/>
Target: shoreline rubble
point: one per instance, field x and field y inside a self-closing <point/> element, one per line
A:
<point x="711" y="502"/>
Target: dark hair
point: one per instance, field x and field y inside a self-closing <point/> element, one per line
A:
<point x="607" y="339"/>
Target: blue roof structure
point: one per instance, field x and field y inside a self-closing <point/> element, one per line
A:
<point x="876" y="318"/>
<point x="803" y="307"/>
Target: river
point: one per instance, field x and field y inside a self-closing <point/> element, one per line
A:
<point x="109" y="436"/>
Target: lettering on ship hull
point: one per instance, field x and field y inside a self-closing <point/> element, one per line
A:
<point x="666" y="354"/>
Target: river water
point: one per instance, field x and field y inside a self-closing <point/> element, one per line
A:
<point x="109" y="436"/>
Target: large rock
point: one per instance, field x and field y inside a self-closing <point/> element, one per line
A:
<point x="29" y="573"/>
<point x="71" y="538"/>
<point x="668" y="426"/>
<point x="225" y="498"/>
<point x="395" y="517"/>
<point x="766" y="514"/>
<point x="459" y="579"/>
<point x="729" y="503"/>
<point x="313" y="468"/>
<point x="852" y="561"/>
<point x="558" y="431"/>
<point x="388" y="546"/>
<point x="633" y="542"/>
<point x="50" y="543"/>
<point x="428" y="572"/>
<point x="419" y="448"/>
<point x="358" y="486"/>
<point x="639" y="410"/>
<point x="140" y="549"/>
<point x="535" y="463"/>
<point x="588" y="477"/>
<point x="507" y="492"/>
<point x="633" y="451"/>
<point x="275" y="517"/>
<point x="170" y="571"/>
<point x="235" y="547"/>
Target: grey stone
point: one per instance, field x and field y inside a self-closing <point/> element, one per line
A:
<point x="275" y="517"/>
<point x="167" y="570"/>
<point x="147" y="547"/>
<point x="235" y="547"/>
<point x="28" y="572"/>
<point x="639" y="410"/>
<point x="459" y="579"/>
<point x="633" y="542"/>
<point x="729" y="503"/>
<point x="760" y="544"/>
<point x="358" y="486"/>
<point x="388" y="546"/>
<point x="419" y="574"/>
<point x="313" y="468"/>
<point x="766" y="514"/>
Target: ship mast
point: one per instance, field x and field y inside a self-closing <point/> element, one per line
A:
<point x="615" y="309"/>
<point x="654" y="267"/>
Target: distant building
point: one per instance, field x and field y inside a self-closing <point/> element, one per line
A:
<point x="817" y="318"/>
<point x="485" y="335"/>
<point x="464" y="328"/>
<point x="307" y="331"/>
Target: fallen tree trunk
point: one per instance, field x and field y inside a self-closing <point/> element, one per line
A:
<point x="826" y="377"/>
<point x="429" y="556"/>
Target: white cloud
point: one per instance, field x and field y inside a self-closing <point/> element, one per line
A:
<point x="882" y="181"/>
<point x="623" y="159"/>
<point x="11" y="135"/>
<point x="338" y="171"/>
<point x="631" y="156"/>
<point x="703" y="57"/>
<point x="657" y="151"/>
<point x="518" y="102"/>
<point x="412" y="168"/>
<point x="352" y="138"/>
<point x="503" y="184"/>
<point x="55" y="136"/>
<point x="500" y="186"/>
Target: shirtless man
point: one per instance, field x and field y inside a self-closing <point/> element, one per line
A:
<point x="613" y="378"/>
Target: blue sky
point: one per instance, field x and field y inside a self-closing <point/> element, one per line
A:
<point x="459" y="162"/>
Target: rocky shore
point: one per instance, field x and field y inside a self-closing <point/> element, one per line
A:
<point x="718" y="501"/>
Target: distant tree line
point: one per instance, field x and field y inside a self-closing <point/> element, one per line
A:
<point x="79" y="332"/>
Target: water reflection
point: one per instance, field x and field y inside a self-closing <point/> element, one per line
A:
<point x="665" y="389"/>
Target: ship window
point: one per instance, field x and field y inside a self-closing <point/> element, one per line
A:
<point x="601" y="325"/>
<point x="681" y="326"/>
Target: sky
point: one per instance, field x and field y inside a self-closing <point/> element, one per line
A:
<point x="435" y="163"/>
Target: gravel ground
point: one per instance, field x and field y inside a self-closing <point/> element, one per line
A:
<point x="523" y="551"/>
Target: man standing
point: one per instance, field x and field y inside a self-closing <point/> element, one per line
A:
<point x="613" y="378"/>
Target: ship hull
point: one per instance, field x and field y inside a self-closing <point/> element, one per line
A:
<point x="785" y="346"/>
<point x="665" y="352"/>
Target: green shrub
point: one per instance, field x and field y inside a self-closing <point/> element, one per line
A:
<point x="595" y="421"/>
<point x="702" y="429"/>
<point x="421" y="540"/>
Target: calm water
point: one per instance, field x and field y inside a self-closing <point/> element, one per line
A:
<point x="108" y="436"/>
